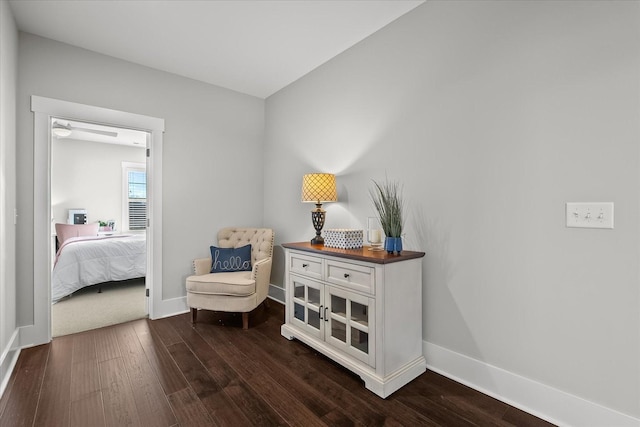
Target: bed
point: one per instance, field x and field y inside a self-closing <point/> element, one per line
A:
<point x="89" y="260"/>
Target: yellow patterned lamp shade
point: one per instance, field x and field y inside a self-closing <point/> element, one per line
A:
<point x="319" y="188"/>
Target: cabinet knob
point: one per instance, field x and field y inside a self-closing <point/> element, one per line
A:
<point x="320" y="313"/>
<point x="346" y="276"/>
<point x="305" y="265"/>
<point x="326" y="319"/>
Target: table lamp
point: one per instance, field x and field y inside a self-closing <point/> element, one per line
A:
<point x="319" y="188"/>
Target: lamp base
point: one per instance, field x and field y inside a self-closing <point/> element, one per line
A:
<point x="317" y="218"/>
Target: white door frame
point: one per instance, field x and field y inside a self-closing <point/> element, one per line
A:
<point x="44" y="109"/>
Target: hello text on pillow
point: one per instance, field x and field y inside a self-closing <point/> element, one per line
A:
<point x="224" y="260"/>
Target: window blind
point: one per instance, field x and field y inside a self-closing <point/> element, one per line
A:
<point x="137" y="214"/>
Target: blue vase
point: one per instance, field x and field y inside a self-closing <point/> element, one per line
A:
<point x="393" y="244"/>
<point x="398" y="245"/>
<point x="389" y="244"/>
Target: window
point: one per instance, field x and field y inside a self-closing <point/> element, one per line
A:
<point x="135" y="196"/>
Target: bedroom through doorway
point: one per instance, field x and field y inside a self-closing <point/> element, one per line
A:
<point x="44" y="109"/>
<point x="98" y="196"/>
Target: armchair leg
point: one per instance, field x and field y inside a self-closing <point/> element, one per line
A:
<point x="194" y="314"/>
<point x="245" y="320"/>
<point x="266" y="302"/>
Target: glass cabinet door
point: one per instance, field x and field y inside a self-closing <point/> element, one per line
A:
<point x="350" y="323"/>
<point x="307" y="305"/>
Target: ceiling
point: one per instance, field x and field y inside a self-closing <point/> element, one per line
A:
<point x="253" y="47"/>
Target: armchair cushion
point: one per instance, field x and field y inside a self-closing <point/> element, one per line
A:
<point x="226" y="260"/>
<point x="238" y="283"/>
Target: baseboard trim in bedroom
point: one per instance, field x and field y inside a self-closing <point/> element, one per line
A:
<point x="8" y="360"/>
<point x="543" y="401"/>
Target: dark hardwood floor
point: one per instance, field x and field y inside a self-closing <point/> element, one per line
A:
<point x="168" y="373"/>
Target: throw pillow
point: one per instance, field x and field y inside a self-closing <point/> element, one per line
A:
<point x="67" y="231"/>
<point x="224" y="260"/>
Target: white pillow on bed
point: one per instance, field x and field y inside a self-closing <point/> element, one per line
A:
<point x="67" y="231"/>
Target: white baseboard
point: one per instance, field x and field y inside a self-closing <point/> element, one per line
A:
<point x="545" y="402"/>
<point x="8" y="360"/>
<point x="171" y="307"/>
<point x="277" y="301"/>
<point x="277" y="293"/>
<point x="30" y="336"/>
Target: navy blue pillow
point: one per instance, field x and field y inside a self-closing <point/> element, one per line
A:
<point x="224" y="260"/>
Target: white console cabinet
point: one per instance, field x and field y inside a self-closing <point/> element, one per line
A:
<point x="361" y="308"/>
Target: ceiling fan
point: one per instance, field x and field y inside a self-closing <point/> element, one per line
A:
<point x="62" y="131"/>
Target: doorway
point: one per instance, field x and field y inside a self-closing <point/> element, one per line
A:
<point x="98" y="182"/>
<point x="44" y="110"/>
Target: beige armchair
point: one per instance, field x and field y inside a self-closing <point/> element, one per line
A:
<point x="237" y="291"/>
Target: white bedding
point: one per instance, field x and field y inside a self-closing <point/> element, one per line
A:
<point x="83" y="261"/>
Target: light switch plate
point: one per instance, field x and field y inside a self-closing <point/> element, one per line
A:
<point x="590" y="215"/>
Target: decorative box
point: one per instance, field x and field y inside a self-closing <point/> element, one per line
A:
<point x="343" y="238"/>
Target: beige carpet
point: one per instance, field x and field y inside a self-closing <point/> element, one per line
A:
<point x="87" y="309"/>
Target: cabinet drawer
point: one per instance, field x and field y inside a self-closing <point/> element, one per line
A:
<point x="352" y="276"/>
<point x="305" y="265"/>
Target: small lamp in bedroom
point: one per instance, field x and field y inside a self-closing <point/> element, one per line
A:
<point x="319" y="188"/>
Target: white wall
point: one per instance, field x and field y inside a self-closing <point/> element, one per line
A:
<point x="212" y="149"/>
<point x="88" y="175"/>
<point x="8" y="84"/>
<point x="492" y="115"/>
